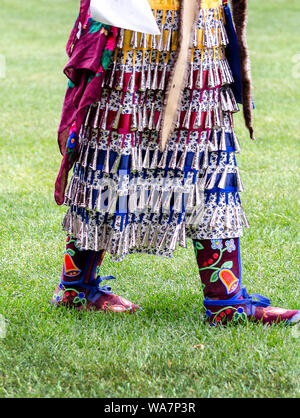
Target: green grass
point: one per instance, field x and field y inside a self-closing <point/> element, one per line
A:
<point x="50" y="353"/>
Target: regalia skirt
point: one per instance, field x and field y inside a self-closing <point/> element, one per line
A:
<point x="125" y="195"/>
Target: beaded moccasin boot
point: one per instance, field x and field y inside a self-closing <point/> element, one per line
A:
<point x="81" y="284"/>
<point x="225" y="299"/>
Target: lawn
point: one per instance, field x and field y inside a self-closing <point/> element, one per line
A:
<point x="58" y="353"/>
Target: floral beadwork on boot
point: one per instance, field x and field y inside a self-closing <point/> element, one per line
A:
<point x="214" y="262"/>
<point x="226" y="300"/>
<point x="70" y="296"/>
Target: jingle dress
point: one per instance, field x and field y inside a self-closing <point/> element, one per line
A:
<point x="125" y="195"/>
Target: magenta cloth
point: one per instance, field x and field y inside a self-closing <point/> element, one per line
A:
<point x="85" y="72"/>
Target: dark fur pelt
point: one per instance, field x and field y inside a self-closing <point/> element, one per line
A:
<point x="240" y="18"/>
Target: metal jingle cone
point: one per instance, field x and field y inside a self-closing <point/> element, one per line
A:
<point x="166" y="201"/>
<point x="117" y="117"/>
<point x="131" y="84"/>
<point x="182" y="159"/>
<point x="134" y="119"/>
<point x="146" y="160"/>
<point x="120" y="42"/>
<point x="112" y="75"/>
<point x="224" y="103"/>
<point x="133" y="159"/>
<point x="233" y="101"/>
<point x="190" y="202"/>
<point x="116" y="164"/>
<point x="195" y="38"/>
<point x="208" y="119"/>
<point x="151" y="197"/>
<point x="154" y="160"/>
<point x="236" y="143"/>
<point x="145" y="239"/>
<point x="96" y="238"/>
<point x="151" y="122"/>
<point x="230" y="105"/>
<point x="139" y="158"/>
<point x="190" y="82"/>
<point x="143" y="41"/>
<point x="103" y="241"/>
<point x="163" y="161"/>
<point x="132" y="202"/>
<point x="96" y="118"/>
<point x="174" y="238"/>
<point x="217" y="122"/>
<point x="222" y="146"/>
<point x="160" y="44"/>
<point x="177" y="124"/>
<point x="217" y="76"/>
<point x="125" y="247"/>
<point x="228" y="72"/>
<point x="143" y="79"/>
<point x="85" y="237"/>
<point x="87" y="118"/>
<point x="163" y="238"/>
<point x="90" y="198"/>
<point x="199" y="81"/>
<point x="202" y="182"/>
<point x="132" y="241"/>
<point x="70" y="187"/>
<point x="104" y="118"/>
<point x="153" y="42"/>
<point x="196" y="158"/>
<point x="149" y="76"/>
<point x="187" y="118"/>
<point x="106" y="161"/>
<point x="173" y="160"/>
<point x="98" y="203"/>
<point x="120" y="83"/>
<point x="205" y="157"/>
<point x="157" y="203"/>
<point x="154" y="84"/>
<point x="222" y="72"/>
<point x="145" y="118"/>
<point x="178" y="202"/>
<point x="211" y="78"/>
<point x="93" y="164"/>
<point x="134" y="40"/>
<point x="212" y="181"/>
<point x="224" y="37"/>
<point x="140" y="119"/>
<point x="158" y="123"/>
<point x="162" y="82"/>
<point x="66" y="221"/>
<point x="215" y="140"/>
<point x="142" y="201"/>
<point x="239" y="181"/>
<point x="138" y="234"/>
<point x="113" y="198"/>
<point x="198" y="119"/>
<point x="167" y="46"/>
<point x="86" y="156"/>
<point x="222" y="182"/>
<point x="182" y="235"/>
<point x="198" y="196"/>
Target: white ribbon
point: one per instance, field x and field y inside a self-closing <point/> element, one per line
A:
<point x="134" y="15"/>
